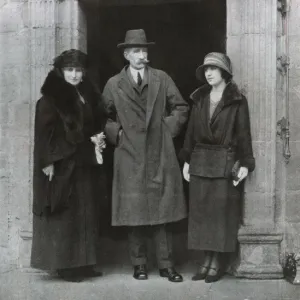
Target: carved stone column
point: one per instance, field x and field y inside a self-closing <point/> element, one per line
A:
<point x="55" y="26"/>
<point x="14" y="120"/>
<point x="251" y="43"/>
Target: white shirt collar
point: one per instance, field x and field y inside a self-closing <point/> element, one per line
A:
<point x="134" y="73"/>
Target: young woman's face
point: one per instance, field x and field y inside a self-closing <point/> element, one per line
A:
<point x="73" y="75"/>
<point x="213" y="75"/>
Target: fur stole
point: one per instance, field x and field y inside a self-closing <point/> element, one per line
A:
<point x="66" y="100"/>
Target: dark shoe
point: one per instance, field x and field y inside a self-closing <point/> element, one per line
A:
<point x="140" y="272"/>
<point x="68" y="275"/>
<point x="201" y="273"/>
<point x="213" y="278"/>
<point x="171" y="274"/>
<point x="91" y="272"/>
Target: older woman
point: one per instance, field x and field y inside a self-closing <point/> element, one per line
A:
<point x="68" y="180"/>
<point x="218" y="156"/>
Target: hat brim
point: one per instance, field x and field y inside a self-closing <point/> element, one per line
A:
<point x="200" y="72"/>
<point x="126" y="45"/>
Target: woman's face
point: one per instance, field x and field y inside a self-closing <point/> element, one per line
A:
<point x="73" y="75"/>
<point x="213" y="75"/>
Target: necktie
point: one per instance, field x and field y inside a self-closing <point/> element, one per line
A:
<point x="139" y="79"/>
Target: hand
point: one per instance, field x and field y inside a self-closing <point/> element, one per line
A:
<point x="49" y="171"/>
<point x="186" y="174"/>
<point x="99" y="140"/>
<point x="120" y="133"/>
<point x="101" y="143"/>
<point x="242" y="174"/>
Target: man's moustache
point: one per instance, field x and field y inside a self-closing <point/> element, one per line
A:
<point x="145" y="61"/>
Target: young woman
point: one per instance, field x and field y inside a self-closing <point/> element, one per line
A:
<point x="68" y="181"/>
<point x="218" y="156"/>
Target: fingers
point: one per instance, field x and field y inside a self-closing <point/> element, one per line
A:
<point x="243" y="172"/>
<point x="51" y="176"/>
<point x="185" y="172"/>
<point x="187" y="177"/>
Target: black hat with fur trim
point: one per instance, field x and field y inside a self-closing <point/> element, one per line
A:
<point x="71" y="58"/>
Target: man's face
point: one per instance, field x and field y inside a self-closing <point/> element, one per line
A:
<point x="137" y="57"/>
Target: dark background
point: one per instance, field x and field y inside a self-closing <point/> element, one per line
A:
<point x="184" y="32"/>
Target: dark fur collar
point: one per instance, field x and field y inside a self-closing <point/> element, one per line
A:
<point x="230" y="95"/>
<point x="66" y="100"/>
<point x="63" y="95"/>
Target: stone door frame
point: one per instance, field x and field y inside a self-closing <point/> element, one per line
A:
<point x="251" y="44"/>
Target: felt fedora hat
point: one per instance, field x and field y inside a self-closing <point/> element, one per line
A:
<point x="135" y="38"/>
<point x="216" y="59"/>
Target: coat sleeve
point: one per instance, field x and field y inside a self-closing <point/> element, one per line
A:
<point x="99" y="112"/>
<point x="112" y="127"/>
<point x="189" y="141"/>
<point x="49" y="145"/>
<point x="244" y="140"/>
<point x="177" y="107"/>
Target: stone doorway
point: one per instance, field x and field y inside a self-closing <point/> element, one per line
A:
<point x="251" y="37"/>
<point x="184" y="32"/>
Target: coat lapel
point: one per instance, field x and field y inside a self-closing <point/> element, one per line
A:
<point x="153" y="87"/>
<point x="218" y="109"/>
<point x="205" y="117"/>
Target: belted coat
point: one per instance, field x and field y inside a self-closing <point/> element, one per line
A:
<point x="147" y="182"/>
<point x="212" y="147"/>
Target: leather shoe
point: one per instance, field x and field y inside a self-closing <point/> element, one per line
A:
<point x="140" y="272"/>
<point x="213" y="278"/>
<point x="171" y="274"/>
<point x="201" y="273"/>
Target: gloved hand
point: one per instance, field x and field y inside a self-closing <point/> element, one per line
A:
<point x="242" y="174"/>
<point x="186" y="174"/>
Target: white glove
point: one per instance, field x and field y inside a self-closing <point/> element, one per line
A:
<point x="185" y="172"/>
<point x="49" y="171"/>
<point x="242" y="174"/>
<point x="98" y="140"/>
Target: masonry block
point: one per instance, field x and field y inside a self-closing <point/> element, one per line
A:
<point x="259" y="254"/>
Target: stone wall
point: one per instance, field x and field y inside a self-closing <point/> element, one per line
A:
<point x="15" y="148"/>
<point x="32" y="33"/>
<point x="292" y="201"/>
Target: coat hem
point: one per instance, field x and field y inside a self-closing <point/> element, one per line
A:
<point x="44" y="268"/>
<point x="215" y="249"/>
<point x="148" y="223"/>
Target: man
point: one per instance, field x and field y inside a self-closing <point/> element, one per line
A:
<point x="146" y="111"/>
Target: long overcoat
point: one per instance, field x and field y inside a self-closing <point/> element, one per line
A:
<point x="66" y="209"/>
<point x="147" y="183"/>
<point x="212" y="146"/>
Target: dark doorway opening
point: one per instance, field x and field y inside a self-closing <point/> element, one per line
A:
<point x="184" y="33"/>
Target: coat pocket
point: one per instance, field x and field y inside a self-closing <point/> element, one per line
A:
<point x="212" y="161"/>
